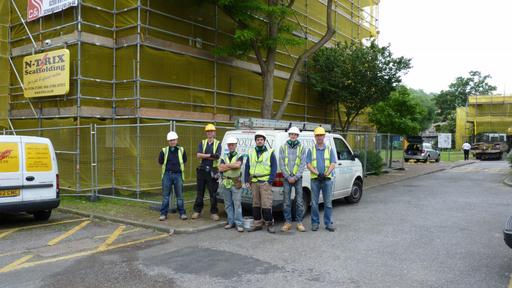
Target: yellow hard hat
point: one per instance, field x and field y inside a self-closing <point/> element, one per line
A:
<point x="209" y="127"/>
<point x="319" y="131"/>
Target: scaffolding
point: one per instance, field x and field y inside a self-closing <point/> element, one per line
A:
<point x="483" y="113"/>
<point x="138" y="62"/>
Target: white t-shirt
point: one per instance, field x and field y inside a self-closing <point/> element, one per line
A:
<point x="466" y="146"/>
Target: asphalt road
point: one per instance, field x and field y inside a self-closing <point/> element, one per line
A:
<point x="438" y="230"/>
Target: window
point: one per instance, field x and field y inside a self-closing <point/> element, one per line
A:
<point x="342" y="150"/>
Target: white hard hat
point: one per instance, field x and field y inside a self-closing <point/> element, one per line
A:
<point x="231" y="140"/>
<point x="172" y="136"/>
<point x="260" y="133"/>
<point x="294" y="130"/>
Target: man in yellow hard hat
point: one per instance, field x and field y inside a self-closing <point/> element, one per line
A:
<point x="209" y="151"/>
<point x="321" y="161"/>
<point x="262" y="168"/>
<point x="292" y="160"/>
<point x="173" y="159"/>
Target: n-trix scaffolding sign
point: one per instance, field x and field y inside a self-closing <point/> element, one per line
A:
<point x="39" y="8"/>
<point x="46" y="74"/>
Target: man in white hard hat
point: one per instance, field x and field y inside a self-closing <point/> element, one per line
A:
<point x="208" y="152"/>
<point x="321" y="161"/>
<point x="231" y="185"/>
<point x="262" y="168"/>
<point x="292" y="160"/>
<point x="173" y="159"/>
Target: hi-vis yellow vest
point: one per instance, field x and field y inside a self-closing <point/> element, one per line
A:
<point x="327" y="160"/>
<point x="231" y="173"/>
<point x="260" y="166"/>
<point x="180" y="158"/>
<point x="297" y="160"/>
<point x="215" y="145"/>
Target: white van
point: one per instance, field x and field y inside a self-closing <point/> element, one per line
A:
<point x="348" y="175"/>
<point x="29" y="178"/>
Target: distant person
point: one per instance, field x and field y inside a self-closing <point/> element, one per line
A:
<point x="466" y="147"/>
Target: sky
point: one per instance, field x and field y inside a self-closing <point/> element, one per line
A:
<point x="449" y="38"/>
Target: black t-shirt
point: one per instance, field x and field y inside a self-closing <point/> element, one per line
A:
<point x="208" y="150"/>
<point x="173" y="162"/>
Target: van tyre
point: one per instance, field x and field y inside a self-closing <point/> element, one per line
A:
<point x="42" y="215"/>
<point x="355" y="193"/>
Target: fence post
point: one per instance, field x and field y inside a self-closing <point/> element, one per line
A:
<point x="365" y="152"/>
<point x="92" y="137"/>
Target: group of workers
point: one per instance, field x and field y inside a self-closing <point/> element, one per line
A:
<point x="255" y="170"/>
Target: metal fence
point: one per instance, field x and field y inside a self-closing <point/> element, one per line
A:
<point x="119" y="160"/>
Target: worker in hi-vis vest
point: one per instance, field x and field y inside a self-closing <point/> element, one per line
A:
<point x="208" y="151"/>
<point x="262" y="168"/>
<point x="292" y="161"/>
<point x="173" y="159"/>
<point x="321" y="161"/>
<point x="231" y="185"/>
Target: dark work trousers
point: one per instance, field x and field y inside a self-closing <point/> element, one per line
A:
<point x="466" y="154"/>
<point x="205" y="180"/>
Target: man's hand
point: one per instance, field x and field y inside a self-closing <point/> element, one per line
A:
<point x="291" y="180"/>
<point x="214" y="156"/>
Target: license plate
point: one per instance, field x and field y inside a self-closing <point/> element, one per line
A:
<point x="10" y="193"/>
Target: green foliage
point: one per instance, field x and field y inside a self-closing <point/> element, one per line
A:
<point x="374" y="161"/>
<point x="355" y="75"/>
<point x="458" y="92"/>
<point x="259" y="25"/>
<point x="402" y="113"/>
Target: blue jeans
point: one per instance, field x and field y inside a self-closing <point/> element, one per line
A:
<point x="172" y="180"/>
<point x="233" y="205"/>
<point x="299" y="207"/>
<point x="326" y="187"/>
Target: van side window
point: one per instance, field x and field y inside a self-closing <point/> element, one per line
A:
<point x="342" y="150"/>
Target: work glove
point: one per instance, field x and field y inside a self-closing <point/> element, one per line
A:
<point x="214" y="156"/>
<point x="321" y="177"/>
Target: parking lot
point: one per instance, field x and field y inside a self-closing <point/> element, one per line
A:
<point x="25" y="242"/>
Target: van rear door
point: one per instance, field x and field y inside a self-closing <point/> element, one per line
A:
<point x="10" y="169"/>
<point x="39" y="169"/>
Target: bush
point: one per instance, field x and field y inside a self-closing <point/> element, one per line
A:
<point x="374" y="162"/>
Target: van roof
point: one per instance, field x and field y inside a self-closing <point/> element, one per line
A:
<point x="269" y="132"/>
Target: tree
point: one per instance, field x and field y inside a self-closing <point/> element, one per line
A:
<point x="425" y="100"/>
<point x="458" y="92"/>
<point x="262" y="27"/>
<point x="402" y="113"/>
<point x="356" y="76"/>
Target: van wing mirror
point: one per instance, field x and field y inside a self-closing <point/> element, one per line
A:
<point x="355" y="155"/>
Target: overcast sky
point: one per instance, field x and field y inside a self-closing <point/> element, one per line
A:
<point x="449" y="38"/>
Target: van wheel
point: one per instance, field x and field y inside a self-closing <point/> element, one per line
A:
<point x="306" y="196"/>
<point x="42" y="215"/>
<point x="356" y="193"/>
<point x="438" y="158"/>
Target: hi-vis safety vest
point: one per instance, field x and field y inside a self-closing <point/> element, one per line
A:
<point x="327" y="160"/>
<point x="231" y="174"/>
<point x="180" y="158"/>
<point x="215" y="145"/>
<point x="260" y="166"/>
<point x="297" y="160"/>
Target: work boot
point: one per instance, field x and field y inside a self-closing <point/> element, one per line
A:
<point x="229" y="226"/>
<point x="286" y="227"/>
<point x="314" y="227"/>
<point x="255" y="228"/>
<point x="183" y="217"/>
<point x="330" y="228"/>
<point x="215" y="217"/>
<point x="239" y="228"/>
<point x="271" y="228"/>
<point x="196" y="215"/>
<point x="300" y="227"/>
<point x="162" y="217"/>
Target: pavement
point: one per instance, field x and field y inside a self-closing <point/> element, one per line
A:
<point x="173" y="225"/>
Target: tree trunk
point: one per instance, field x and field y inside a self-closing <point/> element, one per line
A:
<point x="268" y="94"/>
<point x="298" y="65"/>
<point x="339" y="114"/>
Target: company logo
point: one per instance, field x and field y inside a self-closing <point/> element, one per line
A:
<point x="5" y="154"/>
<point x="34" y="9"/>
<point x="45" y="64"/>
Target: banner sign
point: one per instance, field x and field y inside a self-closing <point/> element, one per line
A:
<point x="46" y="74"/>
<point x="40" y="8"/>
<point x="444" y="140"/>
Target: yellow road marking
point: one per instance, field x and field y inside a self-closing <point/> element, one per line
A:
<point x="124" y="232"/>
<point x="8" y="232"/>
<point x="15" y="264"/>
<point x="111" y="238"/>
<point x="510" y="282"/>
<point x="69" y="233"/>
<point x="44" y="225"/>
<point x="80" y="254"/>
